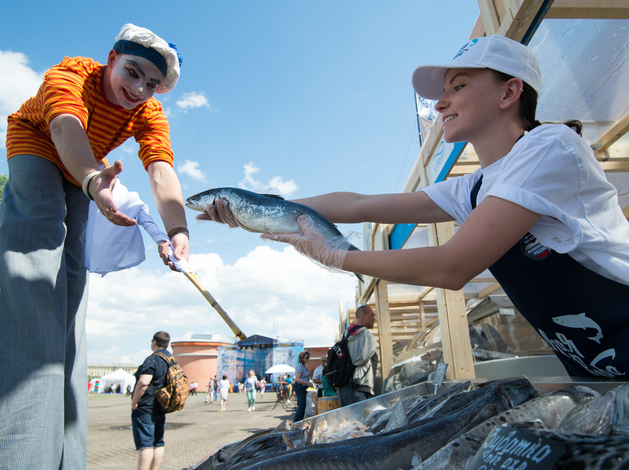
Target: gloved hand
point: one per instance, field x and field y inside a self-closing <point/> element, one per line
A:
<point x="328" y="252"/>
<point x="221" y="213"/>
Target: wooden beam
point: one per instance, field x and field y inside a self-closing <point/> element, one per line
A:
<point x="489" y="15"/>
<point x="616" y="152"/>
<point x="384" y="328"/>
<point x="615" y="166"/>
<point x="599" y="9"/>
<point x="455" y="338"/>
<point x="489" y="290"/>
<point x="479" y="29"/>
<point x="611" y="136"/>
<point x="414" y="178"/>
<point x="519" y="17"/>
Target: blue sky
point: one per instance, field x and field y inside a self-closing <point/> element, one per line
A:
<point x="304" y="97"/>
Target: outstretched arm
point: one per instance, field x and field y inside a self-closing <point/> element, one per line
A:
<point x="381" y="208"/>
<point x="75" y="151"/>
<point x="488" y="233"/>
<point x="169" y="200"/>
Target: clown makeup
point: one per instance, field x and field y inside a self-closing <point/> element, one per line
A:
<point x="133" y="80"/>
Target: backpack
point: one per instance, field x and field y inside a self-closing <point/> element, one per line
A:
<point x="340" y="365"/>
<point x="173" y="395"/>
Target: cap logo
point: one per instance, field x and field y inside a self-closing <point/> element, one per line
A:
<point x="465" y="48"/>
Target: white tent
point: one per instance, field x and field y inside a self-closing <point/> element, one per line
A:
<point x="119" y="377"/>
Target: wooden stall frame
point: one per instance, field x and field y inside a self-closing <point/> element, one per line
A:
<point x="518" y="20"/>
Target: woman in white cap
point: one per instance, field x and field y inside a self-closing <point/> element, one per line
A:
<point x="56" y="148"/>
<point x="539" y="213"/>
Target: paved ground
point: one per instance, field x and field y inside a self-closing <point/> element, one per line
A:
<point x="192" y="434"/>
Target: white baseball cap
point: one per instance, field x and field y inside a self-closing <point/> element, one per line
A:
<point x="490" y="52"/>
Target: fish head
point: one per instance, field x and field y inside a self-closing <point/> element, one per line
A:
<point x="201" y="201"/>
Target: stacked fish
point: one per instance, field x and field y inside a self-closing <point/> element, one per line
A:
<point x="445" y="431"/>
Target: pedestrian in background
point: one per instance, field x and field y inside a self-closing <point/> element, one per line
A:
<point x="210" y="392"/>
<point x="317" y="376"/>
<point x="302" y="382"/>
<point x="225" y="386"/>
<point x="250" y="386"/>
<point x="262" y="387"/>
<point x="147" y="416"/>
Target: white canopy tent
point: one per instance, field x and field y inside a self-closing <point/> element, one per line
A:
<point x="119" y="377"/>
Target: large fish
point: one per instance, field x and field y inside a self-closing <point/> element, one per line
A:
<point x="388" y="451"/>
<point x="549" y="410"/>
<point x="267" y="213"/>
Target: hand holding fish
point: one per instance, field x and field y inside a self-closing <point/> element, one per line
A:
<point x="327" y="251"/>
<point x="219" y="212"/>
<point x="101" y="187"/>
<point x="272" y="214"/>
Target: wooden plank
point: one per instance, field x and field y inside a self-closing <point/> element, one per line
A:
<point x="612" y="135"/>
<point x="600" y="9"/>
<point x="489" y="290"/>
<point x="519" y="18"/>
<point x="617" y="152"/>
<point x="615" y="166"/>
<point x="384" y="328"/>
<point x="479" y="29"/>
<point x="489" y="15"/>
<point x="455" y="339"/>
<point x="426" y="152"/>
<point x="422" y="313"/>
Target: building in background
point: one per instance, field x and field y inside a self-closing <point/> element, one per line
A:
<point x="198" y="356"/>
<point x="98" y="370"/>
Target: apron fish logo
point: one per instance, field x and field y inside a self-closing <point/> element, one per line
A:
<point x="580" y="321"/>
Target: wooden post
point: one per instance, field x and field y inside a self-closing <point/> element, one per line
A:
<point x="455" y="338"/>
<point x="384" y="328"/>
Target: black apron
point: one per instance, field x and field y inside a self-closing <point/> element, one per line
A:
<point x="583" y="316"/>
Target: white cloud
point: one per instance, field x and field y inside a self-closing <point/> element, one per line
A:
<point x="193" y="100"/>
<point x="264" y="292"/>
<point x="191" y="169"/>
<point x="18" y="82"/>
<point x="285" y="188"/>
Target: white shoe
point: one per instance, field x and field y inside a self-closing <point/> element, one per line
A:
<point x="288" y="402"/>
<point x="253" y="408"/>
<point x="249" y="409"/>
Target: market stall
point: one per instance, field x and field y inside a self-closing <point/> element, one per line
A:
<point x="465" y="421"/>
<point x="452" y="425"/>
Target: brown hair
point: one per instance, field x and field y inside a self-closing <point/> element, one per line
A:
<point x="302" y="355"/>
<point x="162" y="339"/>
<point x="528" y="105"/>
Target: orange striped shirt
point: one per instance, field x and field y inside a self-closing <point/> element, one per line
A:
<point x="75" y="87"/>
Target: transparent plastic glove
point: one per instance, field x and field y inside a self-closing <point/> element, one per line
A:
<point x="219" y="212"/>
<point x="328" y="252"/>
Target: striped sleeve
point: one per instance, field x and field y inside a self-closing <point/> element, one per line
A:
<point x="63" y="91"/>
<point x="154" y="136"/>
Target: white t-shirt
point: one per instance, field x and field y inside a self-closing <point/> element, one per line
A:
<point x="250" y="383"/>
<point x="552" y="171"/>
<point x="224" y="386"/>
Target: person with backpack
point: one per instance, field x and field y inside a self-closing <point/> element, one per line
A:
<point x="148" y="416"/>
<point x="361" y="346"/>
